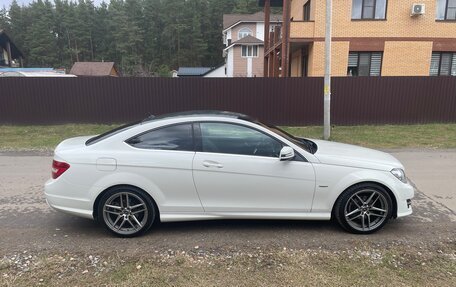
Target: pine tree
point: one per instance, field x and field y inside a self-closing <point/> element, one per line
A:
<point x="61" y="26"/>
<point x="153" y="26"/>
<point x="18" y="26"/>
<point x="215" y="46"/>
<point x="41" y="38"/>
<point x="144" y="37"/>
<point x="126" y="36"/>
<point x="246" y="7"/>
<point x="83" y="30"/>
<point x="199" y="46"/>
<point x="4" y="21"/>
<point x="101" y="34"/>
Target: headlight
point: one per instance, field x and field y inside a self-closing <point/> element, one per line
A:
<point x="400" y="174"/>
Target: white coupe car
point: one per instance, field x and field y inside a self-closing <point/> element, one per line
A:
<point x="221" y="165"/>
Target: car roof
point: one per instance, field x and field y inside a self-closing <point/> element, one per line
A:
<point x="203" y="113"/>
<point x="187" y="114"/>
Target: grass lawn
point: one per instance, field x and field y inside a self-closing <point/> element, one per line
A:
<point x="14" y="137"/>
<point x="397" y="266"/>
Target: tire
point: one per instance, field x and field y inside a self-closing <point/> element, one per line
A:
<point x="363" y="208"/>
<point x="126" y="211"/>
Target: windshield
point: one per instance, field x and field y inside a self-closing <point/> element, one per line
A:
<point x="305" y="144"/>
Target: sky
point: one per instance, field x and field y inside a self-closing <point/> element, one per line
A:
<point x="6" y="3"/>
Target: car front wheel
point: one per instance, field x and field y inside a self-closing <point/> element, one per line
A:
<point x="126" y="211"/>
<point x="364" y="208"/>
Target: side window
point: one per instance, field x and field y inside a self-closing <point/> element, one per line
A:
<point x="446" y="10"/>
<point x="236" y="139"/>
<point x="177" y="137"/>
<point x="364" y="64"/>
<point x="369" y="9"/>
<point x="306" y="10"/>
<point x="443" y="64"/>
<point x="244" y="32"/>
<point x="249" y="51"/>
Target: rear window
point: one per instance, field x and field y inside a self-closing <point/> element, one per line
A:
<point x="110" y="133"/>
<point x="176" y="137"/>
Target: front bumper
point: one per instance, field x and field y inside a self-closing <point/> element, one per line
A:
<point x="404" y="195"/>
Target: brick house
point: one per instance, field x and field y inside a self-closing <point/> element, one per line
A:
<point x="370" y="38"/>
<point x="243" y="36"/>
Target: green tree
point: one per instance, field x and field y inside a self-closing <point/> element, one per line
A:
<point x="246" y="6"/>
<point x="144" y="37"/>
<point x="101" y="34"/>
<point x="83" y="30"/>
<point x="126" y="36"/>
<point x="41" y="36"/>
<point x="62" y="28"/>
<point x="214" y="17"/>
<point x="153" y="27"/>
<point x="4" y="21"/>
<point x="18" y="26"/>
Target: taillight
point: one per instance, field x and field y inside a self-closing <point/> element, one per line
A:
<point x="58" y="168"/>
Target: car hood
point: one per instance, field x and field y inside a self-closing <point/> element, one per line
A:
<point x="354" y="156"/>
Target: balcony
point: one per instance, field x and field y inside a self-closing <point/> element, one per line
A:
<point x="302" y="29"/>
<point x="275" y="39"/>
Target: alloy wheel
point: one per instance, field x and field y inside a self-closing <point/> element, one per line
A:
<point x="366" y="210"/>
<point x="125" y="213"/>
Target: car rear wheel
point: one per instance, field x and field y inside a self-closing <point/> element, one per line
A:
<point x="364" y="208"/>
<point x="126" y="211"/>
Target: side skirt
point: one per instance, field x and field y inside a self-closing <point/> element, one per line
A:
<point x="172" y="217"/>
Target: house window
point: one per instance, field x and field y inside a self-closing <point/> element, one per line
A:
<point x="306" y="16"/>
<point x="446" y="10"/>
<point x="369" y="9"/>
<point x="244" y="32"/>
<point x="443" y="64"/>
<point x="364" y="64"/>
<point x="249" y="51"/>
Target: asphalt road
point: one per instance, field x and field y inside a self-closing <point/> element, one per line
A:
<point x="28" y="224"/>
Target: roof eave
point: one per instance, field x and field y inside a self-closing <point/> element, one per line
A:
<point x="247" y="21"/>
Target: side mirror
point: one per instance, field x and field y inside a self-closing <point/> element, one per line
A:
<point x="286" y="153"/>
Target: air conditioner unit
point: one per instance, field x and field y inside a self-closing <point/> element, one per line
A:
<point x="418" y="9"/>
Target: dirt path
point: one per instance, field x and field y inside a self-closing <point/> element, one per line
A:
<point x="28" y="224"/>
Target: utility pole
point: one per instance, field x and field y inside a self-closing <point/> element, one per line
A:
<point x="327" y="84"/>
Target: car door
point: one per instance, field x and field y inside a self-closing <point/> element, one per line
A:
<point x="237" y="169"/>
<point x="164" y="156"/>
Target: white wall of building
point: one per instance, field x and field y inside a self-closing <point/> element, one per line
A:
<point x="249" y="67"/>
<point x="228" y="36"/>
<point x="216" y="73"/>
<point x="4" y="55"/>
<point x="260" y="31"/>
<point x="230" y="63"/>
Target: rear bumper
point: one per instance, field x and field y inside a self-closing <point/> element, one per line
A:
<point x="57" y="196"/>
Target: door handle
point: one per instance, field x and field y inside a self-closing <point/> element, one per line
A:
<point x="209" y="163"/>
